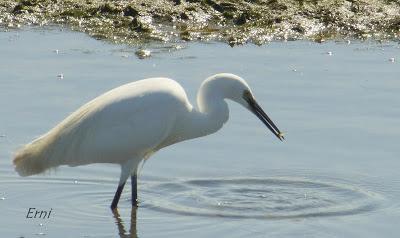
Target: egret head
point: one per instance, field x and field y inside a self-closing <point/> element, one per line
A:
<point x="233" y="87"/>
<point x="241" y="93"/>
<point x="253" y="106"/>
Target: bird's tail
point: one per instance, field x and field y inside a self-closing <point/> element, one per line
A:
<point x="31" y="159"/>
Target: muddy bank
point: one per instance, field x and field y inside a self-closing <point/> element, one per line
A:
<point x="234" y="22"/>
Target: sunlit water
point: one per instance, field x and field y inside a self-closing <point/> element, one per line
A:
<point x="336" y="175"/>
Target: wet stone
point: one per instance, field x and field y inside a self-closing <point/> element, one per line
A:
<point x="143" y="53"/>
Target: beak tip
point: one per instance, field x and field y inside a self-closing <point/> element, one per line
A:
<point x="281" y="137"/>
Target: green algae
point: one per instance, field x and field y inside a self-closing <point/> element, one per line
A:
<point x="234" y="22"/>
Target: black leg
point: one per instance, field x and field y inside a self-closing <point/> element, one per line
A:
<point x="134" y="190"/>
<point x="117" y="196"/>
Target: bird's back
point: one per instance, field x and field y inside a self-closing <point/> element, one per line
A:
<point x="129" y="121"/>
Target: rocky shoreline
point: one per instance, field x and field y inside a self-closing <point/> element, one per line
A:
<point x="234" y="22"/>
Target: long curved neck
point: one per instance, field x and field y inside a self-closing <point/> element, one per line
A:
<point x="211" y="114"/>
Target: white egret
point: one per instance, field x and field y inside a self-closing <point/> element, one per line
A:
<point x="129" y="123"/>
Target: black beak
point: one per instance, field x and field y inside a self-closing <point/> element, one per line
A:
<point x="259" y="112"/>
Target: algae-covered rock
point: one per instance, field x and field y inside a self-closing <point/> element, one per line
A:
<point x="25" y="6"/>
<point x="232" y="21"/>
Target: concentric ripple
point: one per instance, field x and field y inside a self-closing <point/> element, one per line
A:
<point x="265" y="198"/>
<point x="274" y="198"/>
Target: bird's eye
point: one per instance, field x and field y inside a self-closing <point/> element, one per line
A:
<point x="246" y="94"/>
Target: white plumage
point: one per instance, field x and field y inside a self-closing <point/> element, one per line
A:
<point x="129" y="123"/>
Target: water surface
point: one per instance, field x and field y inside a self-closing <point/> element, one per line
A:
<point x="336" y="175"/>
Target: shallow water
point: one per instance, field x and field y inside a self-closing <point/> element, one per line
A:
<point x="336" y="175"/>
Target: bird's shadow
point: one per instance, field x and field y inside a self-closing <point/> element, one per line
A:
<point x="122" y="232"/>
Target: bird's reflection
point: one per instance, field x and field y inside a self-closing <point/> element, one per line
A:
<point x="120" y="224"/>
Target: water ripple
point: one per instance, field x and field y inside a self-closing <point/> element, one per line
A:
<point x="265" y="198"/>
<point x="260" y="198"/>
